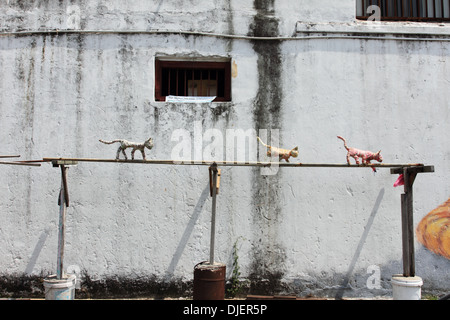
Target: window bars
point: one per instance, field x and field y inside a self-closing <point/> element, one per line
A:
<point x="404" y="10"/>
<point x="188" y="78"/>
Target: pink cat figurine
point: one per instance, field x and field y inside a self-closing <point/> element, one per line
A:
<point x="366" y="156"/>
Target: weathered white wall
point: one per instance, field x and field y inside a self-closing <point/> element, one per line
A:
<point x="302" y="230"/>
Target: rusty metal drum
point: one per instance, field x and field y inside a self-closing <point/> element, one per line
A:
<point x="209" y="281"/>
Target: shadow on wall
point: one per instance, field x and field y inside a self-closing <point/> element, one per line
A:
<point x="187" y="232"/>
<point x="351" y="267"/>
<point x="37" y="250"/>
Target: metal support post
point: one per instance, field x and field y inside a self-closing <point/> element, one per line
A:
<point x="409" y="175"/>
<point x="63" y="202"/>
<point x="409" y="269"/>
<point x="213" y="171"/>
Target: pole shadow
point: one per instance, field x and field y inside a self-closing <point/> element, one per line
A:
<point x="37" y="251"/>
<point x="187" y="232"/>
<point x="351" y="267"/>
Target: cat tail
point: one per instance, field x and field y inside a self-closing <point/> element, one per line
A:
<point x="265" y="145"/>
<point x="345" y="142"/>
<point x="108" y="142"/>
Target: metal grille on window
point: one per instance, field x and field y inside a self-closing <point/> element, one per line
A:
<point x="194" y="79"/>
<point x="408" y="10"/>
<point x="191" y="82"/>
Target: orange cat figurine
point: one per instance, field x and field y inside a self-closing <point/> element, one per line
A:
<point x="281" y="153"/>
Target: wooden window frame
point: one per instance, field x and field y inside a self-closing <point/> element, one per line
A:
<point x="406" y="10"/>
<point x="160" y="64"/>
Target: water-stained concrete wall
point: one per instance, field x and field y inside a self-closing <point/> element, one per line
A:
<point x="299" y="231"/>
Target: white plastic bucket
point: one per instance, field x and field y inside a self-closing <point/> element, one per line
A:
<point x="60" y="289"/>
<point x="406" y="288"/>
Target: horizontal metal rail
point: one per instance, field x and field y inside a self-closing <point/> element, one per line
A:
<point x="68" y="161"/>
<point x="17" y="163"/>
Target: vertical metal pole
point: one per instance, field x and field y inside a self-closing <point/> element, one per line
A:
<point x="62" y="223"/>
<point x="213" y="168"/>
<point x="408" y="224"/>
<point x="405" y="236"/>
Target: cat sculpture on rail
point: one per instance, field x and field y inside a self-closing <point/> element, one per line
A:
<point x="366" y="156"/>
<point x="124" y="144"/>
<point x="281" y="153"/>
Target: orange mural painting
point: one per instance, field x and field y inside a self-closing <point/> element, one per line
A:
<point x="434" y="230"/>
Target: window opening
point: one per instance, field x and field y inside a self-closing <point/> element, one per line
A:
<point x="192" y="78"/>
<point x="406" y="10"/>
